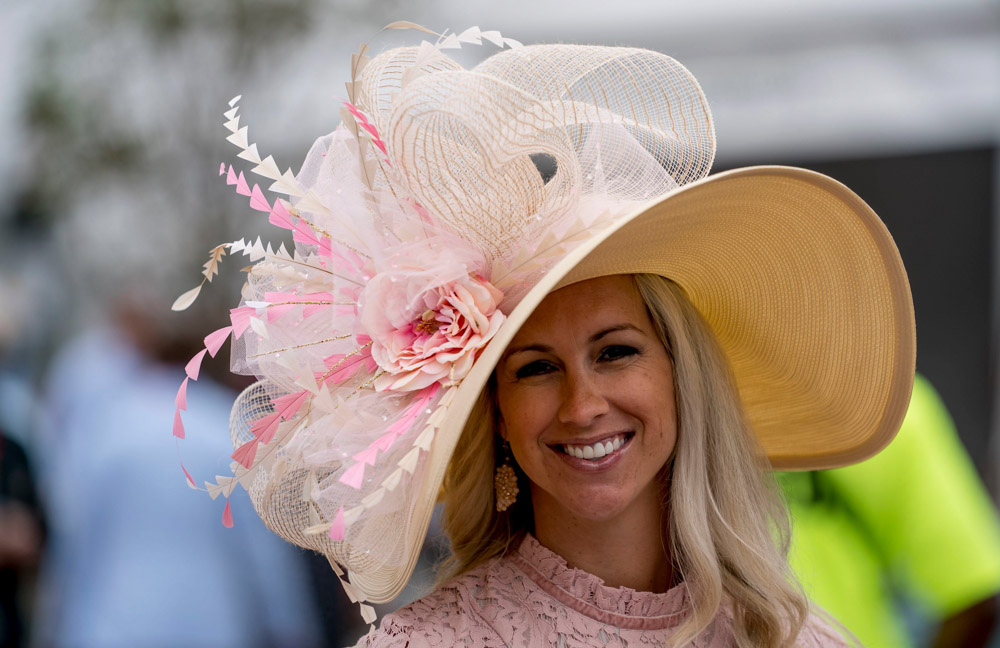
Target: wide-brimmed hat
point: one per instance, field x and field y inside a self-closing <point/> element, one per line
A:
<point x="426" y="235"/>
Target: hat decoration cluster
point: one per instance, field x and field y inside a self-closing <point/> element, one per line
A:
<point x="418" y="225"/>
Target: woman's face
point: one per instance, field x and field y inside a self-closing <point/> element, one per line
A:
<point x="585" y="391"/>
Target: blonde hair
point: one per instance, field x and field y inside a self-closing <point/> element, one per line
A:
<point x="727" y="529"/>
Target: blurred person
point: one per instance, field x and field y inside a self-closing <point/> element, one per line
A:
<point x="17" y="396"/>
<point x="22" y="520"/>
<point x="22" y="532"/>
<point x="134" y="561"/>
<point x="911" y="526"/>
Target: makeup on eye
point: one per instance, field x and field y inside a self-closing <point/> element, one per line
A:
<point x="596" y="337"/>
<point x="607" y="354"/>
<point x="536" y="368"/>
<point x="614" y="352"/>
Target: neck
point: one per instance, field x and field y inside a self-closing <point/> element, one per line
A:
<point x="626" y="550"/>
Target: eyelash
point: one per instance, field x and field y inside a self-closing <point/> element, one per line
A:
<point x="611" y="353"/>
<point x="619" y="351"/>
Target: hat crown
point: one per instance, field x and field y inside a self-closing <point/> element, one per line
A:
<point x="629" y="124"/>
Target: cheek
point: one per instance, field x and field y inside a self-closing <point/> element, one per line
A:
<point x="653" y="395"/>
<point x="513" y="409"/>
<point x="516" y="413"/>
<point x="525" y="413"/>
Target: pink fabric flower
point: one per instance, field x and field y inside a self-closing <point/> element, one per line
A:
<point x="427" y="327"/>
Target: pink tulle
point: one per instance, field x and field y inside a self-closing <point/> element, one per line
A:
<point x="275" y="311"/>
<point x="360" y="361"/>
<point x="353" y="475"/>
<point x="367" y="456"/>
<point x="240" y="317"/>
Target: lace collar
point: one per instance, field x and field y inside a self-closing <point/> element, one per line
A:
<point x="588" y="595"/>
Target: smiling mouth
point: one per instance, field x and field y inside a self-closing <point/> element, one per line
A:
<point x="597" y="450"/>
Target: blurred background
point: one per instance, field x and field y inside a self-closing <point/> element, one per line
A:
<point x="110" y="142"/>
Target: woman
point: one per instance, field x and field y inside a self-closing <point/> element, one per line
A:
<point x="597" y="363"/>
<point x="528" y="255"/>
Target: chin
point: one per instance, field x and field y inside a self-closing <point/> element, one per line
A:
<point x="595" y="507"/>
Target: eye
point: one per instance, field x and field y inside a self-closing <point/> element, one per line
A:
<point x="536" y="368"/>
<point x="616" y="352"/>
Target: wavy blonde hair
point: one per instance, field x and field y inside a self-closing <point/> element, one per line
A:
<point x="727" y="529"/>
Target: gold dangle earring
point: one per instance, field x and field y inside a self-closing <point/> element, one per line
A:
<point x="505" y="482"/>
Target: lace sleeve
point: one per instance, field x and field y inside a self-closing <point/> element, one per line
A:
<point x="390" y="634"/>
<point x="442" y="619"/>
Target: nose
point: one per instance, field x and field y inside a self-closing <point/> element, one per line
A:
<point x="582" y="399"/>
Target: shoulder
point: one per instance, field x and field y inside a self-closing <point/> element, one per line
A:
<point x="818" y="633"/>
<point x="448" y="616"/>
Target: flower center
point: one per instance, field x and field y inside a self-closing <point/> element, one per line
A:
<point x="427" y="324"/>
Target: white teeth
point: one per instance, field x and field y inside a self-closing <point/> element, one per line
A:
<point x="595" y="451"/>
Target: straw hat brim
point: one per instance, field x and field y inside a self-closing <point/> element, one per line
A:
<point x="802" y="285"/>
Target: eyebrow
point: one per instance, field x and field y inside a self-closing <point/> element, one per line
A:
<point x="544" y="348"/>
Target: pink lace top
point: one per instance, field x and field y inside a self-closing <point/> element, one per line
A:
<point x="532" y="598"/>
